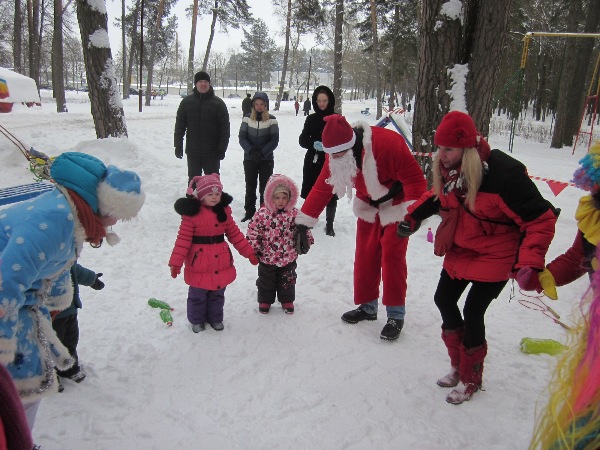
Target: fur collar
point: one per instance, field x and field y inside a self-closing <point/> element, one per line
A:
<point x="190" y="206"/>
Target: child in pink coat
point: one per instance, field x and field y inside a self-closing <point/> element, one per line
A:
<point x="271" y="234"/>
<point x="205" y="222"/>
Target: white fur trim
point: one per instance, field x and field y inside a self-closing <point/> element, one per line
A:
<point x="388" y="213"/>
<point x="369" y="166"/>
<point x="303" y="219"/>
<point x="118" y="204"/>
<point x="341" y="147"/>
<point x="60" y="302"/>
<point x="8" y="348"/>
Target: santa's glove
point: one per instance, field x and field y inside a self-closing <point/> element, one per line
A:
<point x="301" y="241"/>
<point x="548" y="284"/>
<point x="528" y="279"/>
<point x="179" y="152"/>
<point x="98" y="284"/>
<point x="408" y="226"/>
<point x="318" y="146"/>
<point x="175" y="271"/>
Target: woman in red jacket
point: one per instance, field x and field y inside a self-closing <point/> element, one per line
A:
<point x="205" y="221"/>
<point x="496" y="223"/>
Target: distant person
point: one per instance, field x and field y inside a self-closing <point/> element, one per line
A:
<point x="271" y="234"/>
<point x="203" y="118"/>
<point x="323" y="102"/>
<point x="205" y="222"/>
<point x="65" y="322"/>
<point x="306" y="107"/>
<point x="297" y="106"/>
<point x="259" y="137"/>
<point x="246" y="105"/>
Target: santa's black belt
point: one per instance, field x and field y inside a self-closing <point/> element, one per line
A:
<point x="395" y="189"/>
<point x="208" y="239"/>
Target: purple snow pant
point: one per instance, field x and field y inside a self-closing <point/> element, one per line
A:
<point x="205" y="306"/>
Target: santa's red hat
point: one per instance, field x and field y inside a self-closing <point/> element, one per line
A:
<point x="337" y="135"/>
<point x="457" y="130"/>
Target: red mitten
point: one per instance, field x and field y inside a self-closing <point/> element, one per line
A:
<point x="528" y="279"/>
<point x="175" y="271"/>
<point x="253" y="259"/>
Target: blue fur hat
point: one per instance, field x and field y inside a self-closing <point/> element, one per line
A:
<point x="80" y="173"/>
<point x="120" y="194"/>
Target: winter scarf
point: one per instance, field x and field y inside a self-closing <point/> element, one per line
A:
<point x="94" y="230"/>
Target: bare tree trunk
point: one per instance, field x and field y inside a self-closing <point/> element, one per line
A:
<point x="211" y="36"/>
<point x="124" y="50"/>
<point x="583" y="61"/>
<point x="33" y="21"/>
<point x="559" y="136"/>
<point x="338" y="92"/>
<point x="393" y="72"/>
<point x="483" y="46"/>
<point x="153" y="44"/>
<point x="190" y="70"/>
<point x="105" y="101"/>
<point x="18" y="38"/>
<point x="58" y="81"/>
<point x="439" y="45"/>
<point x="285" y="55"/>
<point x="377" y="60"/>
<point x="132" y="52"/>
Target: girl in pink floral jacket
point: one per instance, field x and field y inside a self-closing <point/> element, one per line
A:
<point x="205" y="222"/>
<point x="271" y="234"/>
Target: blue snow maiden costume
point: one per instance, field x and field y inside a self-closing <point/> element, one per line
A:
<point x="40" y="239"/>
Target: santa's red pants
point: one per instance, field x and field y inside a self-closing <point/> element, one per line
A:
<point x="380" y="254"/>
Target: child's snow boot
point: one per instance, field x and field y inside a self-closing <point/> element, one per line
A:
<point x="288" y="307"/>
<point x="264" y="308"/>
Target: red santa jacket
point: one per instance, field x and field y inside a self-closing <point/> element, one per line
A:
<point x="208" y="266"/>
<point x="385" y="159"/>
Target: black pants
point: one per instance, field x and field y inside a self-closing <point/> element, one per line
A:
<point x="67" y="330"/>
<point x="256" y="172"/>
<point x="277" y="282"/>
<point x="478" y="299"/>
<point x="202" y="165"/>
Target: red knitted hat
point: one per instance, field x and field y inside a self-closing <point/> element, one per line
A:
<point x="337" y="135"/>
<point x="456" y="130"/>
<point x="205" y="185"/>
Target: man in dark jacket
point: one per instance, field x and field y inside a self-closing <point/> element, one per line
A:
<point x="205" y="119"/>
<point x="246" y="105"/>
<point x="306" y="107"/>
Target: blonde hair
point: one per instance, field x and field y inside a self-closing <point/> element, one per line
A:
<point x="471" y="171"/>
<point x="264" y="115"/>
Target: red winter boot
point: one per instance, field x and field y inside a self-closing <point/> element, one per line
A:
<point x="453" y="340"/>
<point x="470" y="374"/>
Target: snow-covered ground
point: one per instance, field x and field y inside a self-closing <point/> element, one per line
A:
<point x="277" y="381"/>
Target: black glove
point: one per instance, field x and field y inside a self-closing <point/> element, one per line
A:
<point x="97" y="284"/>
<point x="408" y="226"/>
<point x="301" y="241"/>
<point x="179" y="152"/>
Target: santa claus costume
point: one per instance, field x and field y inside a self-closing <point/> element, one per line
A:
<point x="387" y="180"/>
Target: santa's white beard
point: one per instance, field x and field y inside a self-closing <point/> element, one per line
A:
<point x="343" y="170"/>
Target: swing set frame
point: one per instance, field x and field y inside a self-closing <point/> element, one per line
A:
<point x="520" y="73"/>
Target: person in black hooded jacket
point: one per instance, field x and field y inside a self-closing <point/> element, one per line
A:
<point x="204" y="118"/>
<point x="323" y="102"/>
